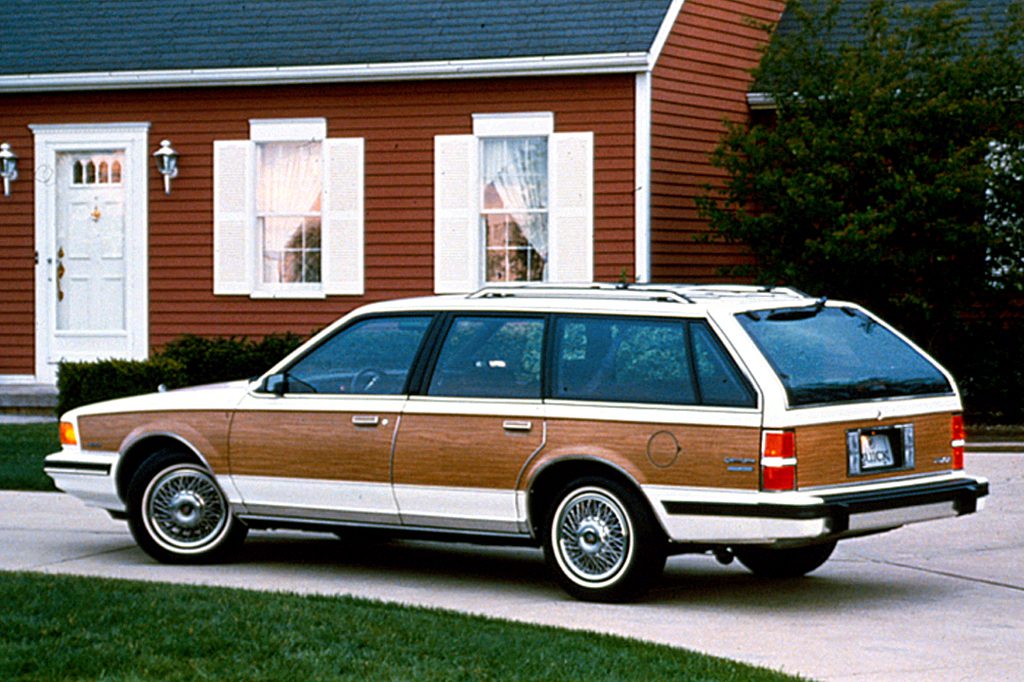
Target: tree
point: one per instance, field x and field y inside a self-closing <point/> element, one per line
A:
<point x="886" y="173"/>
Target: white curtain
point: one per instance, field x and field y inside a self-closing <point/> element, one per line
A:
<point x="517" y="169"/>
<point x="290" y="178"/>
<point x="289" y="188"/>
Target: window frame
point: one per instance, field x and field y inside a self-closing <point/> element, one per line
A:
<point x="459" y="240"/>
<point x="520" y="126"/>
<point x="238" y="235"/>
<point x="422" y="379"/>
<point x="548" y="381"/>
<point x="263" y="132"/>
<point x="412" y="379"/>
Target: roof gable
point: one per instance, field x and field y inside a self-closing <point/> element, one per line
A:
<point x="71" y="36"/>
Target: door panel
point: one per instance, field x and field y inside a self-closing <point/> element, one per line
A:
<point x="315" y="457"/>
<point x="457" y="468"/>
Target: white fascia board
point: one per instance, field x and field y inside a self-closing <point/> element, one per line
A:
<point x="667" y="24"/>
<point x="642" y="180"/>
<point x="587" y="64"/>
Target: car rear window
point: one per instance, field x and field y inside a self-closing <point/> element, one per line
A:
<point x="838" y="354"/>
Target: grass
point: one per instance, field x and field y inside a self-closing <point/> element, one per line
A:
<point x="22" y="449"/>
<point x="63" y="627"/>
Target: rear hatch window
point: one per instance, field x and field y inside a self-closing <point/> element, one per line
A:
<point x="837" y="354"/>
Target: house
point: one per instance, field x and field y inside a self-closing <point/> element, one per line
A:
<point x="328" y="154"/>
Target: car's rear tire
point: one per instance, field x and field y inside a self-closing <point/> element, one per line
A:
<point x="602" y="542"/>
<point x="178" y="514"/>
<point x="792" y="562"/>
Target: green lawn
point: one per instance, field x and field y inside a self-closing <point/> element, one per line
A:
<point x="22" y="449"/>
<point x="62" y="627"/>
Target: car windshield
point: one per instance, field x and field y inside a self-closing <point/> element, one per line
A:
<point x="837" y="354"/>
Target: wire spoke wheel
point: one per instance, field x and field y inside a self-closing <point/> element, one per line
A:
<point x="594" y="536"/>
<point x="184" y="508"/>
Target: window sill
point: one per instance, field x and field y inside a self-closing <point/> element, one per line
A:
<point x="270" y="295"/>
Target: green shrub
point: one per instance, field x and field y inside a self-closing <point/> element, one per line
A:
<point x="187" y="361"/>
<point x="81" y="383"/>
<point x="211" y="360"/>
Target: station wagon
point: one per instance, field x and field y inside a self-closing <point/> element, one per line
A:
<point x="612" y="426"/>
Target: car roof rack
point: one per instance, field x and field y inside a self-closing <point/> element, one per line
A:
<point x="587" y="290"/>
<point x="675" y="293"/>
<point x="734" y="291"/>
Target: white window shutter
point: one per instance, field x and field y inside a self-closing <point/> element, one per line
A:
<point x="456" y="220"/>
<point x="571" y="214"/>
<point x="341" y="233"/>
<point x="233" y="216"/>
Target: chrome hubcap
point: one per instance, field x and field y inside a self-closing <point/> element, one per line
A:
<point x="593" y="536"/>
<point x="185" y="509"/>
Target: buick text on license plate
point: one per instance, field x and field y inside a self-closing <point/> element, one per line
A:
<point x="875" y="451"/>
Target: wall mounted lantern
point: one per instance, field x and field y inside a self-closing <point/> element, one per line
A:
<point x="8" y="167"/>
<point x="166" y="163"/>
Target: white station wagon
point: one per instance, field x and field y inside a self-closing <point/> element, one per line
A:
<point x="613" y="426"/>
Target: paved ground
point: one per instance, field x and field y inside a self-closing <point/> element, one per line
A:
<point x="938" y="601"/>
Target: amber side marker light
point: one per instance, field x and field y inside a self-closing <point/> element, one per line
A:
<point x="67" y="434"/>
<point x="778" y="460"/>
<point x="959" y="440"/>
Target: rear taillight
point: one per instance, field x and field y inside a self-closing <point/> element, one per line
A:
<point x="958" y="441"/>
<point x="778" y="460"/>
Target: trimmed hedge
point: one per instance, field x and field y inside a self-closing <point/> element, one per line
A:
<point x="187" y="361"/>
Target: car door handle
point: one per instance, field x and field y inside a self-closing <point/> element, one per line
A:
<point x="511" y="425"/>
<point x="365" y="420"/>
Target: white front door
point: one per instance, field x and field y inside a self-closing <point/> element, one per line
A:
<point x="91" y="239"/>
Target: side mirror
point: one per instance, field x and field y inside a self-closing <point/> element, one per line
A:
<point x="276" y="384"/>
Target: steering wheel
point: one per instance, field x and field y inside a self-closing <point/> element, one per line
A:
<point x="365" y="379"/>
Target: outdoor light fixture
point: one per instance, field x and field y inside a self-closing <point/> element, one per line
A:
<point x="166" y="163"/>
<point x="8" y="167"/>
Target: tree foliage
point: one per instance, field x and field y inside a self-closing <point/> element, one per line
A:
<point x="890" y="171"/>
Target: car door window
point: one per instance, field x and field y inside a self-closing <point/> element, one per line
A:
<point x="490" y="357"/>
<point x="623" y="360"/>
<point x="372" y="356"/>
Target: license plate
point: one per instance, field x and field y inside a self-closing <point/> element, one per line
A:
<point x="875" y="451"/>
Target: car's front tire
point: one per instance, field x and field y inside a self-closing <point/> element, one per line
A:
<point x="793" y="562"/>
<point x="602" y="542"/>
<point x="178" y="514"/>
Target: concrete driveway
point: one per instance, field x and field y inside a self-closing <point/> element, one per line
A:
<point x="938" y="601"/>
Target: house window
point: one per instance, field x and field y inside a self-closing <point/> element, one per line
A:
<point x="288" y="212"/>
<point x="288" y="195"/>
<point x="514" y="208"/>
<point x="513" y="202"/>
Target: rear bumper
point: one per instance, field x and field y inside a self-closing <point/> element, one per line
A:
<point x="689" y="516"/>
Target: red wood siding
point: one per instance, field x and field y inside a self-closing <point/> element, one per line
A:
<point x="700" y="81"/>
<point x="398" y="121"/>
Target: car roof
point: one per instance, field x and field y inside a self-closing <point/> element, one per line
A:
<point x="682" y="300"/>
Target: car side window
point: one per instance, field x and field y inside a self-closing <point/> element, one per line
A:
<point x="623" y="360"/>
<point x="721" y="382"/>
<point x="372" y="356"/>
<point x="490" y="357"/>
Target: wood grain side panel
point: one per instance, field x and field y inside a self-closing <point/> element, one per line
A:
<point x="821" y="449"/>
<point x="462" y="451"/>
<point x="649" y="453"/>
<point x="313" y="445"/>
<point x="206" y="431"/>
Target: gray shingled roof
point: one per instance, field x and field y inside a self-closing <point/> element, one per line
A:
<point x="76" y="36"/>
<point x="984" y="15"/>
